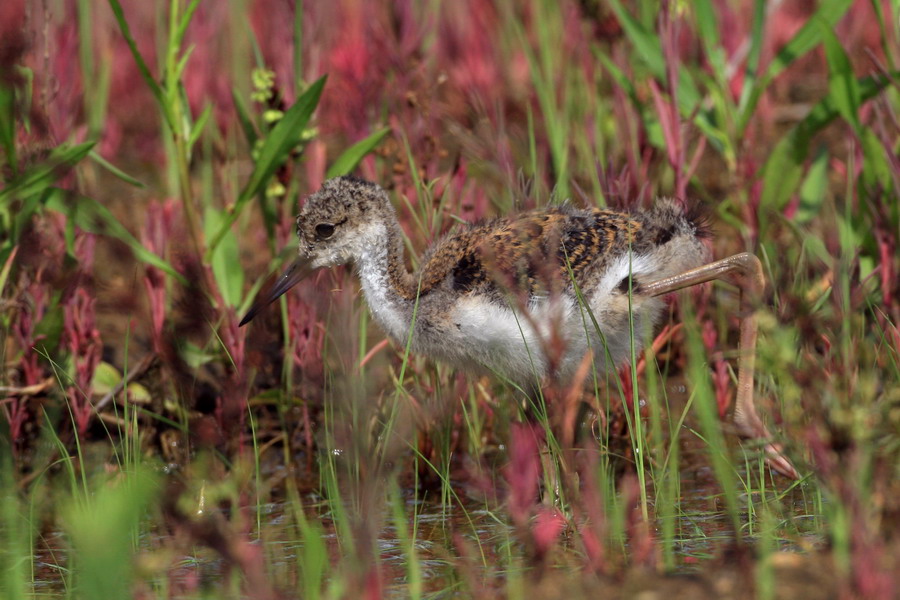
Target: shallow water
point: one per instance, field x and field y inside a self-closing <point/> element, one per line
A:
<point x="467" y="524"/>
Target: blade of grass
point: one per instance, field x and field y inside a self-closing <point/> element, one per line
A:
<point x="8" y="127"/>
<point x="783" y="170"/>
<point x="42" y="175"/>
<point x="151" y="82"/>
<point x="274" y="152"/>
<point x="244" y="118"/>
<point x="351" y="157"/>
<point x="808" y="37"/>
<point x="114" y="169"/>
<point x="93" y="217"/>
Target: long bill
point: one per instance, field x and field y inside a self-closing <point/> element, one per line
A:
<point x="293" y="275"/>
<point x="746" y="271"/>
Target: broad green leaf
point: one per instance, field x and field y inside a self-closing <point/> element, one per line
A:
<point x="807" y="38"/>
<point x="226" y="263"/>
<point x="106" y="378"/>
<point x="195" y="357"/>
<point x="347" y="161"/>
<point x="93" y="217"/>
<point x="842" y="85"/>
<point x="42" y="175"/>
<point x="274" y="152"/>
<point x="784" y="168"/>
<point x="102" y="527"/>
<point x="812" y="191"/>
<point x="876" y="170"/>
<point x="138" y="394"/>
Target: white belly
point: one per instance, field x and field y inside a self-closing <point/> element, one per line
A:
<point x="518" y="344"/>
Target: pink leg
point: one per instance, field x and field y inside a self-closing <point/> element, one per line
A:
<point x="746" y="271"/>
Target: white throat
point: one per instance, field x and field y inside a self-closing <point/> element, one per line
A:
<point x="389" y="309"/>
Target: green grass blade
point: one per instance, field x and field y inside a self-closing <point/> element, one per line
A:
<point x="244" y="118"/>
<point x="226" y="255"/>
<point x="644" y="41"/>
<point x="274" y="152"/>
<point x="751" y="71"/>
<point x="783" y="170"/>
<point x="184" y="22"/>
<point x="808" y="37"/>
<point x="351" y="157"/>
<point x="151" y="82"/>
<point x="8" y="127"/>
<point x="198" y="126"/>
<point x="103" y="528"/>
<point x="39" y="177"/>
<point x="93" y="217"/>
<point x="114" y="169"/>
<point x="843" y="88"/>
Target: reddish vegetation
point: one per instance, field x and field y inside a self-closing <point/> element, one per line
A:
<point x="457" y="90"/>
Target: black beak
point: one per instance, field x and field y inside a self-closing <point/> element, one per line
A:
<point x="298" y="270"/>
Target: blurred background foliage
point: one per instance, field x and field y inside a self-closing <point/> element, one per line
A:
<point x="153" y="157"/>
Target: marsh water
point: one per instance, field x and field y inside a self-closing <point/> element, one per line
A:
<point x="444" y="523"/>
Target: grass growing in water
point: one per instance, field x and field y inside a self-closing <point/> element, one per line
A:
<point x="410" y="491"/>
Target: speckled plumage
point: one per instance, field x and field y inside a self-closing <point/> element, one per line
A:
<point x="501" y="295"/>
<point x="491" y="294"/>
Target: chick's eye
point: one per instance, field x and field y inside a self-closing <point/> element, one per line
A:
<point x="324" y="231"/>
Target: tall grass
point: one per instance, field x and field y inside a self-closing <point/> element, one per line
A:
<point x="327" y="464"/>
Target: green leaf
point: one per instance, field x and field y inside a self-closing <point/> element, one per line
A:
<point x="225" y="261"/>
<point x="184" y="22"/>
<point x="93" y="217"/>
<point x="644" y="41"/>
<point x="198" y="126"/>
<point x="274" y="152"/>
<point x="102" y="527"/>
<point x="8" y="126"/>
<point x="49" y="329"/>
<point x="181" y="65"/>
<point x="155" y="88"/>
<point x="751" y="71"/>
<point x="114" y="170"/>
<point x="106" y="378"/>
<point x="621" y="79"/>
<point x="41" y="176"/>
<point x="784" y="168"/>
<point x="812" y="191"/>
<point x="244" y="118"/>
<point x="7" y="266"/>
<point x="807" y="38"/>
<point x="809" y="35"/>
<point x="842" y="85"/>
<point x="708" y="29"/>
<point x="347" y="161"/>
<point x="876" y="169"/>
<point x="195" y="356"/>
<point x="649" y="50"/>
